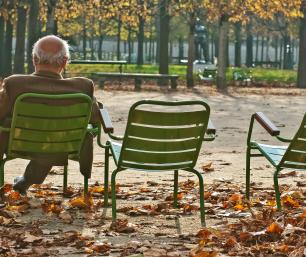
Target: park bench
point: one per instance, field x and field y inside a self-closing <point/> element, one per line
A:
<point x="208" y="74"/>
<point x="267" y="64"/>
<point x="242" y="77"/>
<point x="101" y="62"/>
<point x="138" y="77"/>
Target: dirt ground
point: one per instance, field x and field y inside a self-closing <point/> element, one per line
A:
<point x="230" y="114"/>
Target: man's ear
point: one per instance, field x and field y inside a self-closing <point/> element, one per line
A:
<point x="65" y="62"/>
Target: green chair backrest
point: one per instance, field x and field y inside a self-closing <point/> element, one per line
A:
<point x="165" y="139"/>
<point x="48" y="124"/>
<point x="295" y="156"/>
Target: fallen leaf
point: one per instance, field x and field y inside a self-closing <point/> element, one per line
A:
<point x="208" y="167"/>
<point x="66" y="217"/>
<point x="231" y="242"/>
<point x="31" y="238"/>
<point x="81" y="202"/>
<point x="100" y="248"/>
<point x="123" y="226"/>
<point x="275" y="228"/>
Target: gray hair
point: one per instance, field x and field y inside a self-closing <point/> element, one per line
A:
<point x="54" y="59"/>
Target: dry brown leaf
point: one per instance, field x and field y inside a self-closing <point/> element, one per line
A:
<point x="97" y="189"/>
<point x="81" y="202"/>
<point x="123" y="226"/>
<point x="208" y="167"/>
<point x="66" y="217"/>
<point x="275" y="228"/>
<point x="52" y="207"/>
<point x="244" y="236"/>
<point x="231" y="242"/>
<point x="100" y="248"/>
<point x="6" y="188"/>
<point x="290" y="202"/>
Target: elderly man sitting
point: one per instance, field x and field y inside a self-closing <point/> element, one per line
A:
<point x="50" y="56"/>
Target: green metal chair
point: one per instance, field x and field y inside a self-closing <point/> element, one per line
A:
<point x="292" y="156"/>
<point x="159" y="141"/>
<point x="48" y="125"/>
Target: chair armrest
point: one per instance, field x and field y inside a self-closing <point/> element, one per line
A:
<point x="210" y="128"/>
<point x="106" y="121"/>
<point x="266" y="124"/>
<point x="2" y="129"/>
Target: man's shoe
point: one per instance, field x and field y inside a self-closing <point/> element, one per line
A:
<point x="20" y="185"/>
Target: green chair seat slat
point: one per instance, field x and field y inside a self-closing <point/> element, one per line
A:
<point x="168" y="118"/>
<point x="273" y="153"/>
<point x="302" y="132"/>
<point x="116" y="150"/>
<point x="154" y="167"/>
<point x="157" y="158"/>
<point x="24" y="146"/>
<point x="293" y="165"/>
<point x="43" y="110"/>
<point x="164" y="133"/>
<point x="299" y="145"/>
<point x="47" y="136"/>
<point x="292" y="156"/>
<point x="51" y="124"/>
<point x="149" y="145"/>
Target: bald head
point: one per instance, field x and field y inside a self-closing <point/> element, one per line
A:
<point x="50" y="51"/>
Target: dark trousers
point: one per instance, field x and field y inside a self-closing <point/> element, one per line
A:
<point x="38" y="169"/>
<point x="36" y="172"/>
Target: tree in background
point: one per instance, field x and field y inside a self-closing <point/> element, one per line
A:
<point x="301" y="79"/>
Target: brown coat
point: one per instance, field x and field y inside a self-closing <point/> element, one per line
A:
<point x="49" y="83"/>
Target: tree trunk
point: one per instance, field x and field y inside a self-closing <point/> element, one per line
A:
<point x="181" y="49"/>
<point x="268" y="49"/>
<point x="257" y="48"/>
<point x="301" y="76"/>
<point x="150" y="44"/>
<point x="100" y="41"/>
<point x="276" y="49"/>
<point x="129" y="46"/>
<point x="212" y="46"/>
<point x="287" y="52"/>
<point x="84" y="38"/>
<point x="140" y="37"/>
<point x="164" y="38"/>
<point x="8" y="45"/>
<point x="1" y="45"/>
<point x="238" y="44"/>
<point x="119" y="38"/>
<point x="51" y="24"/>
<point x="20" y="40"/>
<point x="249" y="45"/>
<point x="157" y="25"/>
<point x="33" y="31"/>
<point x="262" y="48"/>
<point x="191" y="50"/>
<point x="222" y="52"/>
<point x="281" y="52"/>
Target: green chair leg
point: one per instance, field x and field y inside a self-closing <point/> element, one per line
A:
<point x="277" y="193"/>
<point x="65" y="179"/>
<point x="248" y="175"/>
<point x="113" y="182"/>
<point x="85" y="186"/>
<point x="201" y="188"/>
<point x="106" y="173"/>
<point x="2" y="162"/>
<point x="175" y="188"/>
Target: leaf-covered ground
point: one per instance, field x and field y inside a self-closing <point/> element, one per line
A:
<point x="46" y="223"/>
